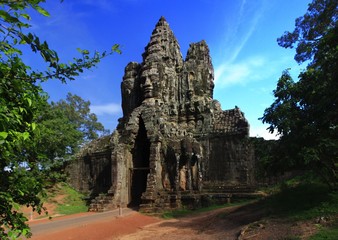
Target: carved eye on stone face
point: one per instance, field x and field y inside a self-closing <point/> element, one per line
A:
<point x="143" y="80"/>
<point x="144" y="76"/>
<point x="153" y="77"/>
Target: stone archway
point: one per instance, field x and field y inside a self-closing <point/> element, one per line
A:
<point x="140" y="166"/>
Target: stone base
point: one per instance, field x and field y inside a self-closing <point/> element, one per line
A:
<point x="102" y="203"/>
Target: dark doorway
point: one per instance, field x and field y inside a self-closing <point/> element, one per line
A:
<point x="140" y="169"/>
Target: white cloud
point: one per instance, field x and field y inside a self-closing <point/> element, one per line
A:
<point x="256" y="68"/>
<point x="245" y="37"/>
<point x="261" y="131"/>
<point x="228" y="71"/>
<point x="109" y="109"/>
<point x="239" y="73"/>
<point x="239" y="29"/>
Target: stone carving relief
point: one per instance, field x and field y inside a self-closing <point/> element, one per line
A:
<point x="174" y="139"/>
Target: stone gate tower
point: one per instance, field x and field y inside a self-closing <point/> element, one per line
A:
<point x="174" y="142"/>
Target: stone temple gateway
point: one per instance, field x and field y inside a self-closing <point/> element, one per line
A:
<point x="174" y="144"/>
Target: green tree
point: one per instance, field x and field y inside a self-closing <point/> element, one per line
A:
<point x="63" y="127"/>
<point x="78" y="112"/>
<point x="21" y="97"/>
<point x="305" y="112"/>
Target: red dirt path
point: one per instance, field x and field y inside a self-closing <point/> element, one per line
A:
<point x="97" y="230"/>
<point x="233" y="223"/>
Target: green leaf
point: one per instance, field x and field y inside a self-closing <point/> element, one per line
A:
<point x="29" y="101"/>
<point x="25" y="135"/>
<point x="26" y="16"/>
<point x="42" y="11"/>
<point x="116" y="48"/>
<point x="3" y="135"/>
<point x="16" y="206"/>
<point x="7" y="17"/>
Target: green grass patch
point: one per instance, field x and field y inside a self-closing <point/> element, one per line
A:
<point x="176" y="213"/>
<point x="67" y="209"/>
<point x="186" y="212"/>
<point x="303" y="201"/>
<point x="330" y="232"/>
<point x="73" y="201"/>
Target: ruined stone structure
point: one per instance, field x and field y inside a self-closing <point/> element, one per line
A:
<point x="174" y="142"/>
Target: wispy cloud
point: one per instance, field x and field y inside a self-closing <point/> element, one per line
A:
<point x="66" y="19"/>
<point x="249" y="29"/>
<point x="107" y="109"/>
<point x="241" y="27"/>
<point x="240" y="72"/>
<point x="227" y="69"/>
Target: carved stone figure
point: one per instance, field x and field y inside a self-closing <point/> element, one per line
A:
<point x="173" y="142"/>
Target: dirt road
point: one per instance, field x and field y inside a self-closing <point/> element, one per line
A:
<point x="232" y="223"/>
<point x="90" y="226"/>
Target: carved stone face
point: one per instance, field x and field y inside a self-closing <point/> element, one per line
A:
<point x="149" y="76"/>
<point x="148" y="89"/>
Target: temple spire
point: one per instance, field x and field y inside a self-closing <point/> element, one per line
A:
<point x="163" y="44"/>
<point x="162" y="19"/>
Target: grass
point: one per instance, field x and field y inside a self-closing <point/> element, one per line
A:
<point x="327" y="233"/>
<point x="186" y="212"/>
<point x="73" y="201"/>
<point x="303" y="201"/>
<point x="60" y="199"/>
<point x="297" y="201"/>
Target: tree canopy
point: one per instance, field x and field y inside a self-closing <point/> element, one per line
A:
<point x="305" y="112"/>
<point x="63" y="127"/>
<point x="22" y="123"/>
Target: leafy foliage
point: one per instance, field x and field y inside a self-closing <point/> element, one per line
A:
<point x="77" y="111"/>
<point x="264" y="155"/>
<point x="316" y="24"/>
<point x="21" y="98"/>
<point x="63" y="127"/>
<point x="305" y="112"/>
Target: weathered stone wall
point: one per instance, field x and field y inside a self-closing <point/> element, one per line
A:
<point x="174" y="139"/>
<point x="91" y="172"/>
<point x="229" y="161"/>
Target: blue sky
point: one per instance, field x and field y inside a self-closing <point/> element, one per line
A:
<point x="241" y="35"/>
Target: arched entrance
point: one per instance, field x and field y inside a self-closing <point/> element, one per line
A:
<point x="140" y="168"/>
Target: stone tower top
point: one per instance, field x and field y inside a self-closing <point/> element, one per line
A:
<point x="162" y="21"/>
<point x="162" y="45"/>
<point x="183" y="88"/>
<point x="163" y="76"/>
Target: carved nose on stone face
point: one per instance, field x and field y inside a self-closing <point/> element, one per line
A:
<point x="148" y="83"/>
<point x="148" y="88"/>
